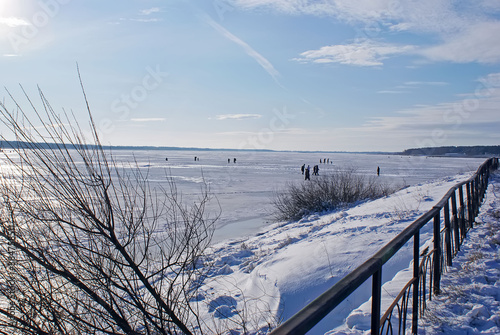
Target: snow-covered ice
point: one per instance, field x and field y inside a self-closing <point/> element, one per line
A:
<point x="244" y="189"/>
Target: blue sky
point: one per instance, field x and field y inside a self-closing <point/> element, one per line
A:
<point x="370" y="75"/>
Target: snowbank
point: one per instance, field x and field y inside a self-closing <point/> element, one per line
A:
<point x="274" y="274"/>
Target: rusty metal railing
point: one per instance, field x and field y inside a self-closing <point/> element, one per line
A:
<point x="452" y="218"/>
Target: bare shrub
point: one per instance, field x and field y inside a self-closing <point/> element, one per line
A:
<point x="325" y="193"/>
<point x="88" y="248"/>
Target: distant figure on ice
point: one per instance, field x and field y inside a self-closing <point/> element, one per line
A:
<point x="234" y="160"/>
<point x="320" y="161"/>
<point x="195" y="158"/>
<point x="378" y="170"/>
<point x="302" y="168"/>
<point x="166" y="159"/>
<point x="315" y="170"/>
<point x="229" y="160"/>
<point x="307" y="174"/>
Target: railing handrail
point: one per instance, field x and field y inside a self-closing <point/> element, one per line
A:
<point x="315" y="311"/>
<point x="445" y="198"/>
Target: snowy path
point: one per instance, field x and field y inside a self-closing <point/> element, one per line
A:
<point x="470" y="299"/>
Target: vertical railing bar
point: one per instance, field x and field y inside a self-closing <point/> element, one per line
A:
<point x="469" y="206"/>
<point x="376" y="301"/>
<point x="462" y="213"/>
<point x="437" y="253"/>
<point x="447" y="232"/>
<point x="476" y="196"/>
<point x="416" y="276"/>
<point x="455" y="225"/>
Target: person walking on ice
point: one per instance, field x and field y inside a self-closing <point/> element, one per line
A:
<point x="307" y="177"/>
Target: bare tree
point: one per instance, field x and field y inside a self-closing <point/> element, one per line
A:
<point x="86" y="246"/>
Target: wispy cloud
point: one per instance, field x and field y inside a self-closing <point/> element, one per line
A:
<point x="153" y="119"/>
<point x="14" y="22"/>
<point x="261" y="60"/>
<point x="143" y="16"/>
<point x="341" y="8"/>
<point x="464" y="33"/>
<point x="465" y="121"/>
<point x="146" y="20"/>
<point x="365" y="53"/>
<point x="491" y="80"/>
<point x="237" y="116"/>
<point x="426" y="83"/>
<point x="478" y="43"/>
<point x="149" y="11"/>
<point x="463" y="115"/>
<point x="392" y="92"/>
<point x="410" y="86"/>
<point x="427" y="15"/>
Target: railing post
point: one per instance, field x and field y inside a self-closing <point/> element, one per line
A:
<point x="437" y="253"/>
<point x="470" y="205"/>
<point x="484" y="177"/>
<point x="462" y="213"/>
<point x="454" y="213"/>
<point x="447" y="232"/>
<point x="416" y="276"/>
<point x="476" y="196"/>
<point x="376" y="301"/>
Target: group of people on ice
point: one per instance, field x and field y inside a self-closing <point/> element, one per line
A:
<point x="306" y="171"/>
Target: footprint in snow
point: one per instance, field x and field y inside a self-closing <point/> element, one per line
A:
<point x="235" y="258"/>
<point x="223" y="307"/>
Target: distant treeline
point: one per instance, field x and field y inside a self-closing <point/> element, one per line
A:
<point x="20" y="144"/>
<point x="479" y="150"/>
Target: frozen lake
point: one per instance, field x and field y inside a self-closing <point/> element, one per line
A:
<point x="244" y="188"/>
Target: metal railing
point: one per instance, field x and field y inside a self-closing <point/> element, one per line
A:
<point x="452" y="218"/>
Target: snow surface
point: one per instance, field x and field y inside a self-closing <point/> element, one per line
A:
<point x="262" y="272"/>
<point x="276" y="272"/>
<point x="289" y="264"/>
<point x="469" y="302"/>
<point x="470" y="298"/>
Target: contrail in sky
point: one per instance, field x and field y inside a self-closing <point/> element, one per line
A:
<point x="263" y="62"/>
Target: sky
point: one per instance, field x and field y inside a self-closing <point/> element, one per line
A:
<point x="332" y="75"/>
